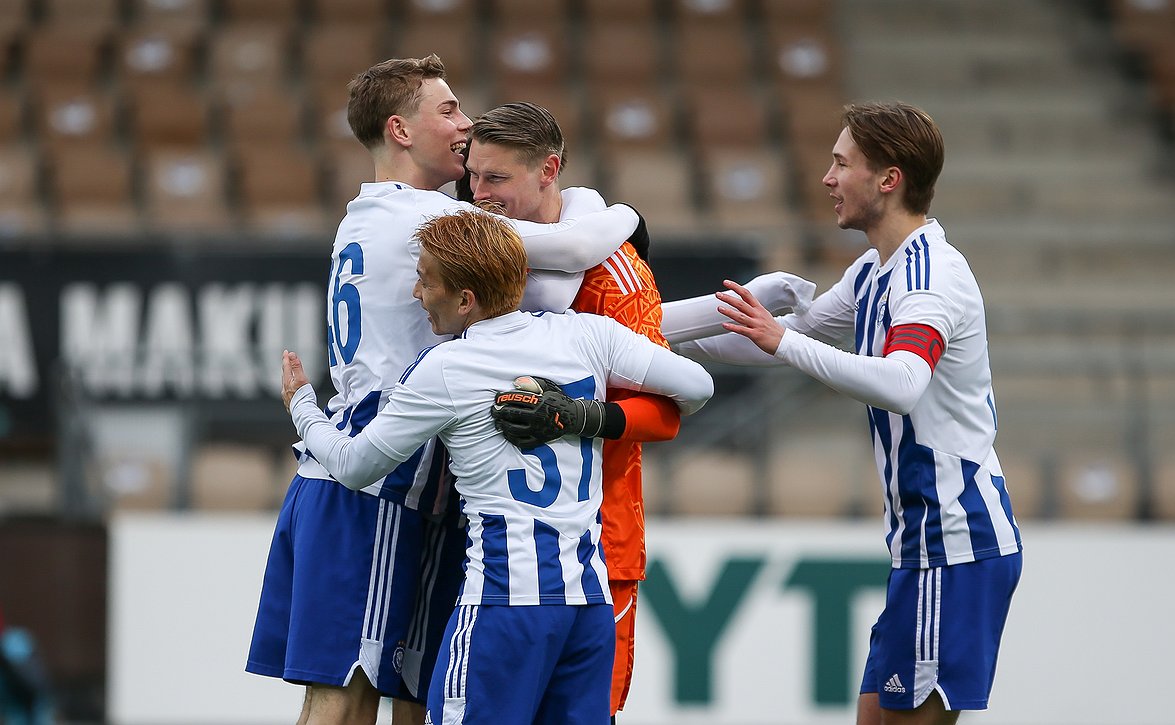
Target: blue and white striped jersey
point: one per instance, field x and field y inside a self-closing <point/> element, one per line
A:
<point x="945" y="497"/>
<point x="375" y="328"/>
<point x="534" y="523"/>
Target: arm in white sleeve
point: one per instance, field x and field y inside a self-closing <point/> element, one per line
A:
<point x="729" y="348"/>
<point x="894" y="382"/>
<point x="580" y="200"/>
<point x="698" y="317"/>
<point x="354" y="462"/>
<point x="550" y="290"/>
<point x="637" y="363"/>
<point x="577" y="244"/>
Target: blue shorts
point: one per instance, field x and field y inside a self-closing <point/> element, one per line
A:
<point x="543" y="664"/>
<point x="338" y="588"/>
<point x="442" y="571"/>
<point x="940" y="630"/>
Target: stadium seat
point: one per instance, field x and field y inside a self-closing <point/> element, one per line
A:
<point x="21" y="210"/>
<point x="453" y="43"/>
<point x="332" y="54"/>
<point x="709" y="483"/>
<point x="63" y="54"/>
<point x="233" y="477"/>
<point x="11" y="117"/>
<point x="163" y="115"/>
<point x="136" y="483"/>
<point x="328" y="115"/>
<point x="262" y="115"/>
<point x="827" y="475"/>
<point x="92" y="188"/>
<point x="158" y="53"/>
<point x="94" y="15"/>
<point x="746" y="187"/>
<point x="711" y="55"/>
<point x="74" y="116"/>
<point x="536" y="55"/>
<point x="279" y="192"/>
<point x="659" y="184"/>
<point x="1097" y="487"/>
<point x="708" y="13"/>
<point x="632" y="117"/>
<point x="529" y="12"/>
<point x="348" y="12"/>
<point x="269" y="12"/>
<point x="793" y="14"/>
<point x="620" y="10"/>
<point x="248" y="55"/>
<point x="1163" y="493"/>
<point x="1026" y="480"/>
<point x="345" y="168"/>
<point x="450" y="11"/>
<point x="185" y="191"/>
<point x="710" y="120"/>
<point x="621" y="53"/>
<point x="180" y="14"/>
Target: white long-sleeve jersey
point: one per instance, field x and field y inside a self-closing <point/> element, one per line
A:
<point x="534" y="528"/>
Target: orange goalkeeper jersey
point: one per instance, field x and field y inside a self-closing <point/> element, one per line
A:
<point x="622" y="287"/>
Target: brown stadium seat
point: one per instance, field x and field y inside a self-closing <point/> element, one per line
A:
<point x="711" y="117"/>
<point x="20" y="203"/>
<point x="712" y="55"/>
<point x="1163" y="495"/>
<point x="232" y="477"/>
<point x="168" y="116"/>
<point x="802" y="59"/>
<point x="248" y="55"/>
<point x="450" y="11"/>
<point x="67" y="115"/>
<point x="798" y="14"/>
<point x="349" y="12"/>
<point x="709" y="14"/>
<point x="687" y="486"/>
<point x="11" y="117"/>
<point x="92" y="190"/>
<point x="346" y="168"/>
<point x="620" y="10"/>
<point x="57" y="54"/>
<point x="185" y="191"/>
<point x="529" y="54"/>
<point x="262" y="115"/>
<point x="95" y="15"/>
<point x="658" y="183"/>
<point x="334" y="53"/>
<point x="746" y="188"/>
<point x="529" y="12"/>
<point x="1097" y="487"/>
<point x="453" y="43"/>
<point x="1024" y="476"/>
<point x="621" y="52"/>
<point x="267" y="12"/>
<point x="137" y="482"/>
<point x="278" y="188"/>
<point x="328" y="113"/>
<point x="158" y="53"/>
<point x="824" y="476"/>
<point x="632" y="117"/>
<point x="187" y="14"/>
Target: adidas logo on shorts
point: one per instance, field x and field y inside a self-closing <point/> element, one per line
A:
<point x="895" y="685"/>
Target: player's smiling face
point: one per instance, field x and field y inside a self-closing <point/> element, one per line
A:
<point x="498" y="174"/>
<point x="854" y="186"/>
<point x="440" y="303"/>
<point x="439" y="132"/>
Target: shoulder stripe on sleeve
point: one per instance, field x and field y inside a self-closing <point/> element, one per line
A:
<point x="621" y="270"/>
<point x="918" y="265"/>
<point x="410" y="368"/>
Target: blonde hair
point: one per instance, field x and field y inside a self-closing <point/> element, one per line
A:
<point x="478" y="252"/>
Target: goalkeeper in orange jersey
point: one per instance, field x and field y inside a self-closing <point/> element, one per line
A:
<point x="516" y="154"/>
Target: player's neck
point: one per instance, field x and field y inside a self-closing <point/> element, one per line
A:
<point x="550" y="210"/>
<point x="891" y="232"/>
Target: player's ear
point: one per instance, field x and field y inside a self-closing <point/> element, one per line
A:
<point x="891" y="179"/>
<point x="396" y="131"/>
<point x="549" y="171"/>
<point x="467" y="303"/>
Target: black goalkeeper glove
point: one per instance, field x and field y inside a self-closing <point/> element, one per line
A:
<point x="537" y="411"/>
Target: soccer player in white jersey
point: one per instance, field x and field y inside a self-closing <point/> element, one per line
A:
<point x="531" y="640"/>
<point x="340" y="588"/>
<point x="911" y="309"/>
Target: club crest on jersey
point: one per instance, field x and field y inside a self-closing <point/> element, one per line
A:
<point x="398" y="658"/>
<point x="882" y="309"/>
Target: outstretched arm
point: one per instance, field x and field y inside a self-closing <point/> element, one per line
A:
<point x="698" y="317"/>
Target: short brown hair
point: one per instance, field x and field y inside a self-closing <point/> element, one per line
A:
<point x="478" y="252"/>
<point x="901" y="135"/>
<point x="527" y="128"/>
<point x="390" y="88"/>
